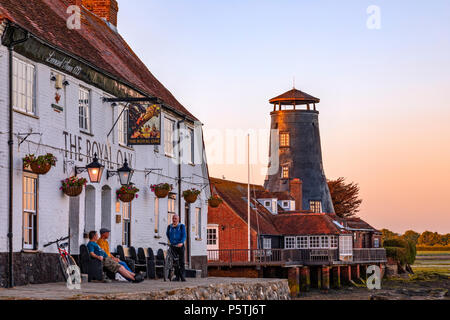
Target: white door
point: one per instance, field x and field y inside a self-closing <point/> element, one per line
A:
<point x="212" y="242"/>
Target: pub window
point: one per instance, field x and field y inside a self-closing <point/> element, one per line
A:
<point x="334" y="242"/>
<point x="198" y="223"/>
<point x="84" y="109"/>
<point x="289" y="242"/>
<point x="324" y="242"/>
<point x="284" y="139"/>
<point x="169" y="128"/>
<point x="23" y="89"/>
<point x="315" y="206"/>
<point x="267" y="243"/>
<point x="345" y="245"/>
<point x="314" y="242"/>
<point x="156" y="216"/>
<point x="302" y="242"/>
<point x="191" y="146"/>
<point x="285" y="172"/>
<point x="211" y="236"/>
<point x="123" y="125"/>
<point x="126" y="224"/>
<point x="29" y="198"/>
<point x="171" y="205"/>
<point x="376" y="243"/>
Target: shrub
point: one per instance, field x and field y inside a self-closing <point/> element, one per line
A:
<point x="397" y="253"/>
<point x="408" y="246"/>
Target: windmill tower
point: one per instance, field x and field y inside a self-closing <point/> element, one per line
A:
<point x="295" y="117"/>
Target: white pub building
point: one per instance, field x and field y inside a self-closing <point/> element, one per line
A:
<point x="70" y="94"/>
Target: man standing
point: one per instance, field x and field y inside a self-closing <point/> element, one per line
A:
<point x="104" y="245"/>
<point x="176" y="233"/>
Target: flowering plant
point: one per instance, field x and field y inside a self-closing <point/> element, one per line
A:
<point x="164" y="186"/>
<point x="189" y="192"/>
<point x="40" y="161"/>
<point x="129" y="189"/>
<point x="73" y="182"/>
<point x="215" y="198"/>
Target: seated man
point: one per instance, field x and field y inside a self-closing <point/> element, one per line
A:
<point x="97" y="253"/>
<point x="104" y="245"/>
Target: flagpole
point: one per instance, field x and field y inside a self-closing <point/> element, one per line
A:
<point x="248" y="197"/>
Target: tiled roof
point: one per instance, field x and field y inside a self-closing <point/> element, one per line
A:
<point x="353" y="222"/>
<point x="264" y="194"/>
<point x="294" y="95"/>
<point x="358" y="223"/>
<point x="234" y="195"/>
<point x="95" y="42"/>
<point x="306" y="223"/>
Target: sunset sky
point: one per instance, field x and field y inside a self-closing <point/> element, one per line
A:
<point x="385" y="93"/>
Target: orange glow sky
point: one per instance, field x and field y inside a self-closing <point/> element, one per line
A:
<point x="385" y="94"/>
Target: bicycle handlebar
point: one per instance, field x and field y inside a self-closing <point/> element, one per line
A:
<point x="56" y="241"/>
<point x="167" y="244"/>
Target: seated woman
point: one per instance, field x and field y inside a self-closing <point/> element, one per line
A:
<point x="97" y="253"/>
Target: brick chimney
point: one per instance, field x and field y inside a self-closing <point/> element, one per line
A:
<point x="296" y="192"/>
<point x="107" y="9"/>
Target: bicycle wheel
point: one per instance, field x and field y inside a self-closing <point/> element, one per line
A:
<point x="65" y="262"/>
<point x="168" y="265"/>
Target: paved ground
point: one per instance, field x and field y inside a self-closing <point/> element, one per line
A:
<point x="59" y="291"/>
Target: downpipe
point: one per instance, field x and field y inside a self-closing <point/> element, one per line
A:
<point x="11" y="46"/>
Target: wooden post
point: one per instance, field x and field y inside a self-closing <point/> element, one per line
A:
<point x="355" y="272"/>
<point x="305" y="279"/>
<point x="293" y="281"/>
<point x="336" y="271"/>
<point x="325" y="277"/>
<point x="346" y="272"/>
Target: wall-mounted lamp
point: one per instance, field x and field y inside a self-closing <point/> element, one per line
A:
<point x="94" y="169"/>
<point x="125" y="174"/>
<point x="53" y="78"/>
<point x="66" y="83"/>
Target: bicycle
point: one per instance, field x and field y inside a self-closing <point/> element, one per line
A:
<point x="171" y="263"/>
<point x="66" y="261"/>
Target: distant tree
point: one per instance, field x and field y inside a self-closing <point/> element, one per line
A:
<point x="411" y="235"/>
<point x="444" y="239"/>
<point x="429" y="238"/>
<point x="388" y="235"/>
<point x="345" y="197"/>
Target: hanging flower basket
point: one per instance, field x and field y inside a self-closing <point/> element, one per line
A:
<point x="73" y="186"/>
<point x="127" y="193"/>
<point x="190" y="196"/>
<point x="214" y="201"/>
<point x="161" y="190"/>
<point x="40" y="165"/>
<point x="73" y="191"/>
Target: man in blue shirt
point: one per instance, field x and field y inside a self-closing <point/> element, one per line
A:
<point x="97" y="253"/>
<point x="176" y="233"/>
